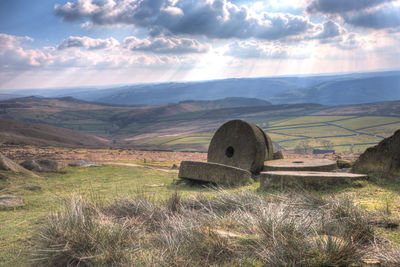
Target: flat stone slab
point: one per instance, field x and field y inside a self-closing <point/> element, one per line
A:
<point x="214" y="172"/>
<point x="11" y="201"/>
<point x="318" y="165"/>
<point x="289" y="178"/>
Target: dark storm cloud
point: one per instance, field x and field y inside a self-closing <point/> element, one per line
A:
<point x="217" y="19"/>
<point x="342" y="6"/>
<point x="376" y="19"/>
<point x="330" y="30"/>
<point x="375" y="14"/>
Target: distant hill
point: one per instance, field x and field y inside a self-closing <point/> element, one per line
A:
<point x="8" y="96"/>
<point x="345" y="92"/>
<point x="229" y="102"/>
<point x="327" y="90"/>
<point x="175" y="92"/>
<point x="165" y="93"/>
<point x="21" y="133"/>
<point x="391" y="108"/>
<point x="341" y="89"/>
<point x="107" y="119"/>
<point x="63" y="103"/>
<point x="154" y="113"/>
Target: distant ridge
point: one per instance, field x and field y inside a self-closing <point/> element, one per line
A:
<point x="8" y="96"/>
<point x="346" y="91"/>
<point x="340" y="89"/>
<point x="22" y="133"/>
<point x="331" y="90"/>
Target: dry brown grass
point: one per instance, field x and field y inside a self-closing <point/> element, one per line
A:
<point x="228" y="229"/>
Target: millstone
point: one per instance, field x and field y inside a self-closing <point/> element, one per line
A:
<point x="269" y="153"/>
<point x="239" y="144"/>
<point x="318" y="165"/>
<point x="288" y="178"/>
<point x="213" y="172"/>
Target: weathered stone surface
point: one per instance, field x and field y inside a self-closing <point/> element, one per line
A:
<point x="11" y="201"/>
<point x="238" y="144"/>
<point x="214" y="172"/>
<point x="278" y="155"/>
<point x="292" y="178"/>
<point x="269" y="152"/>
<point x="323" y="165"/>
<point x="384" y="157"/>
<point x="41" y="165"/>
<point x="7" y="164"/>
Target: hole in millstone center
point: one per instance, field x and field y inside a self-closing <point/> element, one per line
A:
<point x="229" y="152"/>
<point x="298" y="162"/>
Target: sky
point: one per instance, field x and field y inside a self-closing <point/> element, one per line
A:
<point x="47" y="43"/>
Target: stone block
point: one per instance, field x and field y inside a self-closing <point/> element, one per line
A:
<point x="284" y="179"/>
<point x="306" y="164"/>
<point x="214" y="172"/>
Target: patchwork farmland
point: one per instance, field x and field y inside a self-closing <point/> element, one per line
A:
<point x="339" y="133"/>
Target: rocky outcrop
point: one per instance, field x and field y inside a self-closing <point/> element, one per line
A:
<point x="7" y="164"/>
<point x="278" y="155"/>
<point x="41" y="165"/>
<point x="384" y="157"/>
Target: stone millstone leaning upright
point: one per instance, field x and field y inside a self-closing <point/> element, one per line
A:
<point x="240" y="144"/>
<point x="237" y="150"/>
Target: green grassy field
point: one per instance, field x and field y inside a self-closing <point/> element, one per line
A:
<point x="345" y="133"/>
<point x="184" y="141"/>
<point x="105" y="183"/>
<point x="102" y="183"/>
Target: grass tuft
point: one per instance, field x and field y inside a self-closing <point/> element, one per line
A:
<point x="227" y="229"/>
<point x="81" y="235"/>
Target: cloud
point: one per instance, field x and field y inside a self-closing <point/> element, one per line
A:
<point x="330" y="29"/>
<point x="89" y="53"/>
<point x="165" y="45"/>
<point x="88" y="43"/>
<point x="73" y="11"/>
<point x="14" y="56"/>
<point x="342" y="6"/>
<point x="214" y="19"/>
<point x="260" y="50"/>
<point x="255" y="49"/>
<point x="385" y="17"/>
<point x="335" y="35"/>
<point x="10" y="41"/>
<point x="373" y="14"/>
<point x="350" y="41"/>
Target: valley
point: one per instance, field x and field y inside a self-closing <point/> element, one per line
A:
<point x="189" y="125"/>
